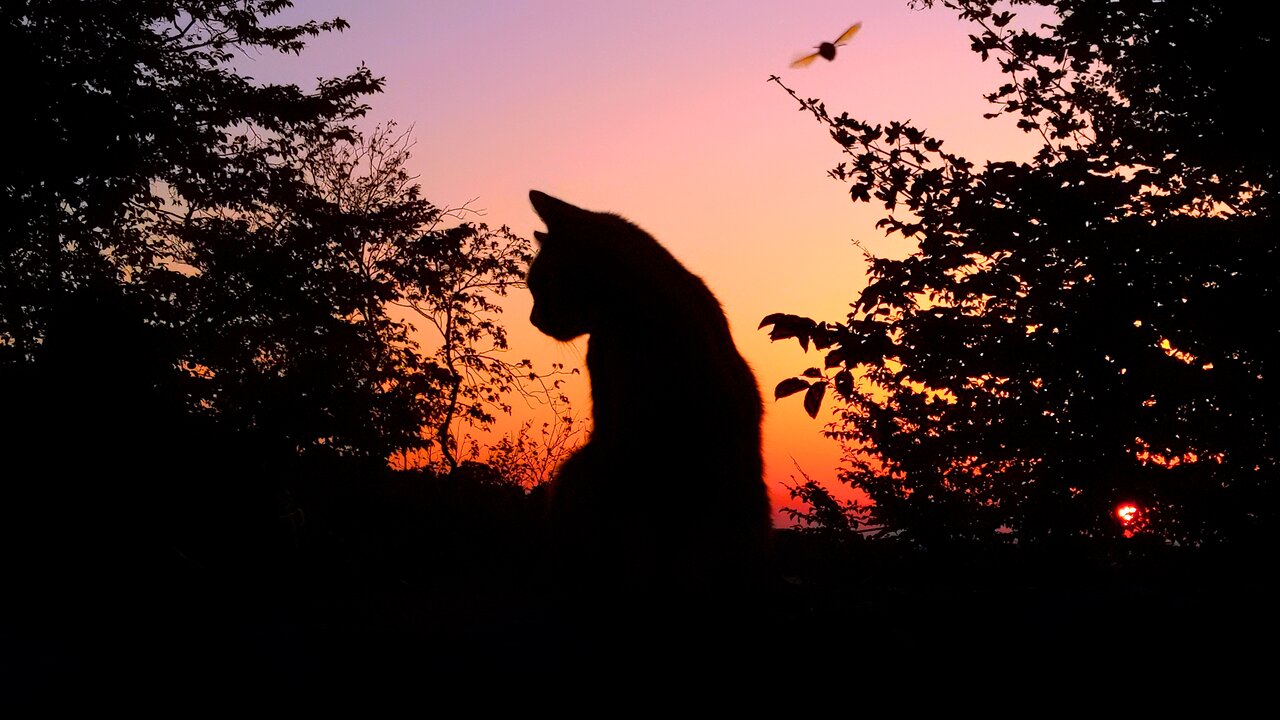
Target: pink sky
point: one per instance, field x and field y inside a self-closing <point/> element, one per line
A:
<point x="660" y="111"/>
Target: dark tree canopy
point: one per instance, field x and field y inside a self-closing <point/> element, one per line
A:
<point x="1089" y="328"/>
<point x="250" y="228"/>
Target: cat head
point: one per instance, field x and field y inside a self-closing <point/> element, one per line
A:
<point x="576" y="274"/>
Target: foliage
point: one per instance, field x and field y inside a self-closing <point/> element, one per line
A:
<point x="286" y="325"/>
<point x="821" y="513"/>
<point x="456" y="293"/>
<point x="435" y="266"/>
<point x="1083" y="329"/>
<point x="528" y="460"/>
<point x="258" y="234"/>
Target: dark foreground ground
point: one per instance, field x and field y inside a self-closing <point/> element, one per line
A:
<point x="428" y="585"/>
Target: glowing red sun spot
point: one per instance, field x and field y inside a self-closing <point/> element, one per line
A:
<point x="1130" y="517"/>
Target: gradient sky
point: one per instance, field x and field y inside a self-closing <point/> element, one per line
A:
<point x="660" y="111"/>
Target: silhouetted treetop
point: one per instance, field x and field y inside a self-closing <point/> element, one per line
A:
<point x="134" y="117"/>
<point x="252" y="225"/>
<point x="1088" y="328"/>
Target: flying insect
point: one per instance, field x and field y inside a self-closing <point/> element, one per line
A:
<point x="827" y="50"/>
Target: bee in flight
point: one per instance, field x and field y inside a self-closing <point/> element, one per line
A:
<point x="827" y="50"/>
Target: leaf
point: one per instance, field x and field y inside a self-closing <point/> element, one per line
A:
<point x="813" y="398"/>
<point x="772" y="319"/>
<point x="813" y="373"/>
<point x="789" y="326"/>
<point x="844" y="384"/>
<point x="787" y="387"/>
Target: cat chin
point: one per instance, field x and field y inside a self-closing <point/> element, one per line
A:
<point x="561" y="334"/>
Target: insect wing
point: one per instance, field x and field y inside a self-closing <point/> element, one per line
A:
<point x="848" y="34"/>
<point x="804" y="61"/>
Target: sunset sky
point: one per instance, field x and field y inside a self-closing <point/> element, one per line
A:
<point x="660" y="111"/>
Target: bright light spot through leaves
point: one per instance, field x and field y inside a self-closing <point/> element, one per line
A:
<point x="1130" y="517"/>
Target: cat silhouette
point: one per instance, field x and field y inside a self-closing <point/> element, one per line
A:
<point x="666" y="504"/>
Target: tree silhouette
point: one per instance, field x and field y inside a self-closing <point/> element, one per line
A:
<point x="528" y="458"/>
<point x="252" y="227"/>
<point x="441" y="270"/>
<point x="1088" y="328"/>
<point x="456" y="293"/>
<point x="203" y="365"/>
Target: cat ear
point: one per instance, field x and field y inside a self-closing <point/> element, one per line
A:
<point x="551" y="210"/>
